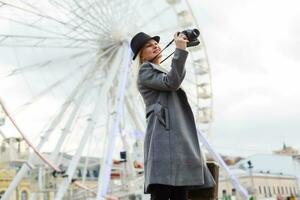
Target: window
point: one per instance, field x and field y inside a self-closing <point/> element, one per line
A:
<point x="79" y="173"/>
<point x="278" y="190"/>
<point x="259" y="188"/>
<point x="233" y="192"/>
<point x="274" y="190"/>
<point x="24" y="195"/>
<point x="95" y="173"/>
<point x="286" y="190"/>
<point x="265" y="191"/>
<point x="269" y="190"/>
<point x="88" y="174"/>
<point x="282" y="191"/>
<point x="223" y="192"/>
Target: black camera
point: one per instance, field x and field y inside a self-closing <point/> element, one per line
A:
<point x="192" y="35"/>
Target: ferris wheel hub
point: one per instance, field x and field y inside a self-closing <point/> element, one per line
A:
<point x="118" y="33"/>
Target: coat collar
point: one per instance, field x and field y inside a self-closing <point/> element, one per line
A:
<point x="158" y="67"/>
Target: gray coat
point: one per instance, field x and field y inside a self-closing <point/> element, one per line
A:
<point x="172" y="153"/>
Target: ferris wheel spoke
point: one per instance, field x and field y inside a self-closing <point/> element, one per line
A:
<point x="39" y="41"/>
<point x="133" y="101"/>
<point x="40" y="65"/>
<point x="103" y="20"/>
<point x="29" y="5"/>
<point x="154" y="17"/>
<point x="2" y="134"/>
<point x="33" y="26"/>
<point x="75" y="159"/>
<point x="49" y="46"/>
<point x="103" y="24"/>
<point x="71" y="119"/>
<point x="52" y="86"/>
<point x="84" y="20"/>
<point x="49" y="130"/>
<point x="120" y="9"/>
<point x="43" y="158"/>
<point x="104" y="177"/>
<point x="164" y="30"/>
<point x="49" y="18"/>
<point x="113" y="12"/>
<point x="132" y="114"/>
<point x="7" y="36"/>
<point x="69" y="100"/>
<point x="85" y="11"/>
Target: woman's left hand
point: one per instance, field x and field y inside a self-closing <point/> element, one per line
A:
<point x="180" y="40"/>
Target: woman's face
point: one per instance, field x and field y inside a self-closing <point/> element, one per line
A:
<point x="149" y="51"/>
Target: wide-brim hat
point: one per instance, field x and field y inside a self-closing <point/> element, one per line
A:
<point x="139" y="40"/>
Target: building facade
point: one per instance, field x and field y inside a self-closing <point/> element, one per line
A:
<point x="264" y="176"/>
<point x="262" y="185"/>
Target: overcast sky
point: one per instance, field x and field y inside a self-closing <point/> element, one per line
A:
<point x="254" y="53"/>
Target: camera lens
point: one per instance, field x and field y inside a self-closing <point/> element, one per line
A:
<point x="196" y="33"/>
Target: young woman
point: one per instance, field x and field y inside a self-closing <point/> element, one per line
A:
<point x="172" y="158"/>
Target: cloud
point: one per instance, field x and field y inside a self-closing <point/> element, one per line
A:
<point x="253" y="49"/>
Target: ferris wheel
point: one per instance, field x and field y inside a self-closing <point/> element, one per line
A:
<point x="67" y="83"/>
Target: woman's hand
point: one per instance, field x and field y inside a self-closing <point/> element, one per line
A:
<point x="180" y="40"/>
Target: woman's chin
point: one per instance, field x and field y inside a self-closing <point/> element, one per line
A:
<point x="158" y="55"/>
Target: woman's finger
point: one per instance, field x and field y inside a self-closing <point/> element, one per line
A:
<point x="181" y="35"/>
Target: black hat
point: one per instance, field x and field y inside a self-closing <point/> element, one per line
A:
<point x="139" y="40"/>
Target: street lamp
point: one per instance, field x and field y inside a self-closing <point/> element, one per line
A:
<point x="250" y="167"/>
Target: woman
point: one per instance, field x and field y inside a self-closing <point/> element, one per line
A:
<point x="172" y="156"/>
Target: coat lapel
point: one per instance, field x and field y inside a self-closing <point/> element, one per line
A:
<point x="159" y="68"/>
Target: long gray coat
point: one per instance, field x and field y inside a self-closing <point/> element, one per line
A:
<point x="172" y="154"/>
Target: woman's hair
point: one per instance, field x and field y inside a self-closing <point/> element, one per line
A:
<point x="135" y="71"/>
<point x="136" y="66"/>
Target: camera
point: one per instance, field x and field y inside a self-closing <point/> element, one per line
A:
<point x="192" y="35"/>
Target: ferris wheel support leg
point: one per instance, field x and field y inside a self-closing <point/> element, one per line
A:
<point x="106" y="165"/>
<point x="87" y="133"/>
<point x="133" y="114"/>
<point x="71" y="118"/>
<point x="66" y="129"/>
<point x="217" y="158"/>
<point x="25" y="167"/>
<point x="75" y="159"/>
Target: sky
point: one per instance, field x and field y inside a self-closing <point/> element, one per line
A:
<point x="254" y="52"/>
<point x="253" y="48"/>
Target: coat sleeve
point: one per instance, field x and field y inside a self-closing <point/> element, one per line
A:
<point x="151" y="78"/>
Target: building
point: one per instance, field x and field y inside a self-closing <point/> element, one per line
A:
<point x="287" y="150"/>
<point x="41" y="183"/>
<point x="13" y="154"/>
<point x="261" y="185"/>
<point x="264" y="176"/>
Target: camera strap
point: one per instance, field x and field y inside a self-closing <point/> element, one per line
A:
<point x="162" y="51"/>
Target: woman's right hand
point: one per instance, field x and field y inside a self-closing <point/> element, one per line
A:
<point x="180" y="40"/>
